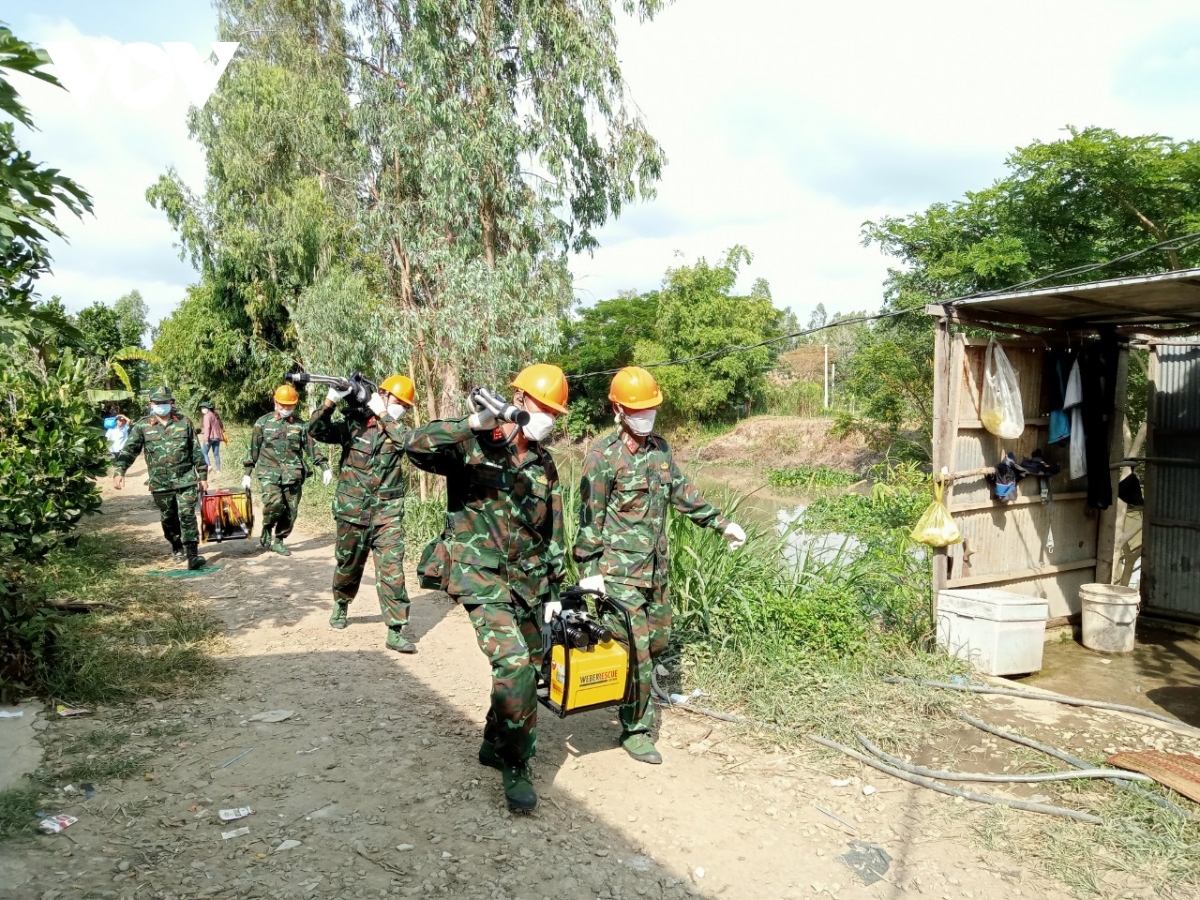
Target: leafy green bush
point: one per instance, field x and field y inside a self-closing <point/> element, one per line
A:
<point x="51" y="450"/>
<point x="897" y="498"/>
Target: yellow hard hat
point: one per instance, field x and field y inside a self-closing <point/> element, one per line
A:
<point x="635" y="388"/>
<point x="400" y="387"/>
<point x="544" y="383"/>
<point x="285" y="395"/>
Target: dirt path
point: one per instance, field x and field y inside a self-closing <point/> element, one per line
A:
<point x="375" y="776"/>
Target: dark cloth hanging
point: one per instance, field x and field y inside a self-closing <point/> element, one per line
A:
<point x="1058" y="364"/>
<point x="1098" y="372"/>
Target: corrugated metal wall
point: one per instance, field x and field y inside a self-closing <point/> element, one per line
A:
<point x="1171" y="519"/>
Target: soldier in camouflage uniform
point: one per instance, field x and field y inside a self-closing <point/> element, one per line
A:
<point x="629" y="480"/>
<point x="505" y="555"/>
<point x="368" y="502"/>
<point x="176" y="468"/>
<point x="278" y="444"/>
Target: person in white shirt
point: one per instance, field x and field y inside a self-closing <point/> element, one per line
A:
<point x="117" y="436"/>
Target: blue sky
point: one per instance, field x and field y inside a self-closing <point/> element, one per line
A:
<point x="786" y="126"/>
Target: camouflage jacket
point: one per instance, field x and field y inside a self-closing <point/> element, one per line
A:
<point x="504" y="519"/>
<point x="277" y="449"/>
<point x="623" y="500"/>
<point x="370" y="485"/>
<point x="174" y="460"/>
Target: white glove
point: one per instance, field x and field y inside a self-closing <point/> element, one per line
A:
<point x="482" y="420"/>
<point x="734" y="534"/>
<point x="376" y="404"/>
<point x="326" y="477"/>
<point x="550" y="610"/>
<point x="592" y="583"/>
<point x="245" y="482"/>
<point x="333" y="395"/>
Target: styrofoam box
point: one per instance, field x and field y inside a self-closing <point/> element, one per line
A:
<point x="998" y="632"/>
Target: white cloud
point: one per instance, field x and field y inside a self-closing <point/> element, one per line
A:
<point x="115" y="153"/>
<point x="786" y="125"/>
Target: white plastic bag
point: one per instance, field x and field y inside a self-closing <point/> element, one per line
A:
<point x="1002" y="413"/>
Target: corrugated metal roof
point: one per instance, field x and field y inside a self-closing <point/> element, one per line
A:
<point x="1167" y="298"/>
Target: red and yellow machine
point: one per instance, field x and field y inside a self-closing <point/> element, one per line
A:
<point x="226" y="516"/>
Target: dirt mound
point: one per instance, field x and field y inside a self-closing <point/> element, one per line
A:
<point x="780" y="442"/>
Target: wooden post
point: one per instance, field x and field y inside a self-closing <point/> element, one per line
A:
<point x="1111" y="524"/>
<point x="943" y="440"/>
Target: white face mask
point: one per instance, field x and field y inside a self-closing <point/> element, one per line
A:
<point x="539" y="427"/>
<point x="397" y="410"/>
<point x="162" y="410"/>
<point x="285" y="411"/>
<point x="641" y="422"/>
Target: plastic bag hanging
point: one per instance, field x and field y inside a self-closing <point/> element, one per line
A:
<point x="1002" y="413"/>
<point x="936" y="526"/>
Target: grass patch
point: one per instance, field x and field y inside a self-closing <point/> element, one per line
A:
<point x="810" y="478"/>
<point x="17" y="810"/>
<point x="100" y="739"/>
<point x="1141" y="849"/>
<point x="145" y="637"/>
<point x="773" y="680"/>
<point x="102" y="768"/>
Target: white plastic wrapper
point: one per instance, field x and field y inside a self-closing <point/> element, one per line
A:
<point x="1002" y="413"/>
<point x="55" y="824"/>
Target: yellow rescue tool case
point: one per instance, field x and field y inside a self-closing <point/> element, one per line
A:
<point x="585" y="666"/>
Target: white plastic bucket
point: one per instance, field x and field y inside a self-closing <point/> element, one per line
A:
<point x="1110" y="614"/>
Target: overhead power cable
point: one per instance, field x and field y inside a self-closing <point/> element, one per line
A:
<point x="1173" y="244"/>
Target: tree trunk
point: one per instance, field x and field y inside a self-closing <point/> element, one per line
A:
<point x="487" y="217"/>
<point x="422" y="484"/>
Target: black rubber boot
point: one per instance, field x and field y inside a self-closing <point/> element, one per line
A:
<point x="195" y="560"/>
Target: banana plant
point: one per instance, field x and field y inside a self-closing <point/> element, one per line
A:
<point x="114" y="366"/>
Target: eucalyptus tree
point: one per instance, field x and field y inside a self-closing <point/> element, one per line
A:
<point x="400" y="183"/>
<point x="497" y="136"/>
<point x="278" y="146"/>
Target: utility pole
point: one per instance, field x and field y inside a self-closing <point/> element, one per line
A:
<point x="826" y="369"/>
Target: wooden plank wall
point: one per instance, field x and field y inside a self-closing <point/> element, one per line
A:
<point x="1005" y="545"/>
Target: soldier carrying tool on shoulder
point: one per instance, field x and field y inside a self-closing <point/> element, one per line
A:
<point x="368" y="502"/>
<point x="629" y="480"/>
<point x="176" y="469"/>
<point x="502" y="554"/>
<point x="279" y="442"/>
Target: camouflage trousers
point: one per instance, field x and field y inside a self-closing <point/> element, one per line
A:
<point x="280" y="503"/>
<point x="510" y="636"/>
<point x="385" y="541"/>
<point x="650" y="616"/>
<point x="177" y="514"/>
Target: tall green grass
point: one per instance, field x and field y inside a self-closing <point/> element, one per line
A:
<point x="145" y="637"/>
